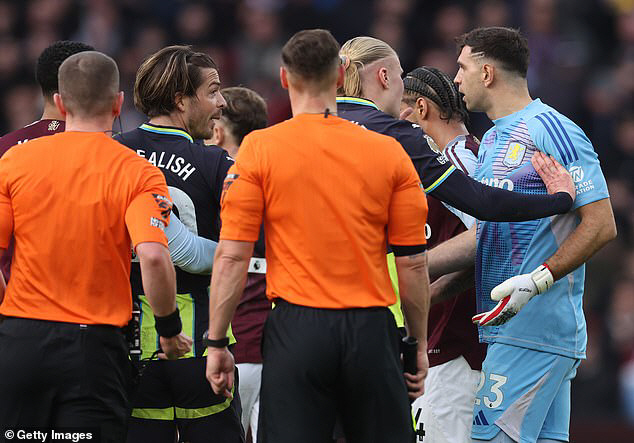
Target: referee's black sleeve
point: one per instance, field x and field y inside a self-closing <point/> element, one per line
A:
<point x="402" y="251"/>
<point x="499" y="205"/>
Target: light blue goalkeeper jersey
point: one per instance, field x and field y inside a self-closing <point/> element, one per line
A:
<point x="554" y="321"/>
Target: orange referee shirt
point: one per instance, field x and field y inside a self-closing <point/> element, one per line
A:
<point x="328" y="191"/>
<point x="75" y="201"/>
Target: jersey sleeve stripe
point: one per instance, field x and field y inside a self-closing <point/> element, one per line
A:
<point x="440" y="179"/>
<point x="572" y="147"/>
<point x="448" y="155"/>
<point x="456" y="160"/>
<point x="561" y="152"/>
<point x="559" y="136"/>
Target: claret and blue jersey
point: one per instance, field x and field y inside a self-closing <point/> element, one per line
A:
<point x="553" y="322"/>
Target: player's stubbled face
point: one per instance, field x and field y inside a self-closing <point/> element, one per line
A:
<point x="468" y="78"/>
<point x="206" y="106"/>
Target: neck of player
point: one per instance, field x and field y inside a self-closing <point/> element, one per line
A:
<point x="50" y="111"/>
<point x="94" y="124"/>
<point x="509" y="98"/>
<point x="446" y="131"/>
<point x="174" y="120"/>
<point x="309" y="102"/>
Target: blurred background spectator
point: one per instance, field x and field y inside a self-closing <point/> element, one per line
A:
<point x="582" y="63"/>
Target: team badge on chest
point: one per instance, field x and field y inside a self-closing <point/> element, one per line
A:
<point x="514" y="154"/>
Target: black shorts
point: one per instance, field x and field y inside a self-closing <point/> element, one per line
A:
<point x="324" y="364"/>
<point x="55" y="375"/>
<point x="176" y="395"/>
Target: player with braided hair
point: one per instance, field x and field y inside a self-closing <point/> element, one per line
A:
<point x="435" y="85"/>
<point x="444" y="413"/>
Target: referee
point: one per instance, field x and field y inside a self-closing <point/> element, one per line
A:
<point x="64" y="359"/>
<point x="329" y="193"/>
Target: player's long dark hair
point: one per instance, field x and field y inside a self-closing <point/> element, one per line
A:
<point x="435" y="85"/>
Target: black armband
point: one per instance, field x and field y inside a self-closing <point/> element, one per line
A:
<point x="400" y="251"/>
<point x="168" y="326"/>
<point x="488" y="203"/>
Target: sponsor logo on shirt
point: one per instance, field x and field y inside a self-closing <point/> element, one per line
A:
<point x="577" y="173"/>
<point x="514" y="154"/>
<point x="53" y="126"/>
<point x="505" y="183"/>
<point x="581" y="185"/>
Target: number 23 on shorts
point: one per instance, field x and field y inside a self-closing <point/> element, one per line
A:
<point x="494" y="396"/>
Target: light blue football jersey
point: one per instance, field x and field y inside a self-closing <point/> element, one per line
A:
<point x="554" y="321"/>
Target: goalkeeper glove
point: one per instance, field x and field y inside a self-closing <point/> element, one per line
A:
<point x="513" y="294"/>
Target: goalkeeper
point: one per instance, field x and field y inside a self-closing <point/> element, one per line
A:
<point x="524" y="390"/>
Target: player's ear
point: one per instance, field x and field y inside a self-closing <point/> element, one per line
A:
<point x="383" y="77"/>
<point x="59" y="104"/>
<point x="179" y="101"/>
<point x="283" y="77"/>
<point x="422" y="108"/>
<point x="218" y="137"/>
<point x="488" y="74"/>
<point x="118" y="104"/>
<point x="341" y="75"/>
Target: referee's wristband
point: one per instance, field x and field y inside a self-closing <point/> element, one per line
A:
<point x="170" y="325"/>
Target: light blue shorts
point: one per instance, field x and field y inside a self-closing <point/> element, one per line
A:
<point x="525" y="393"/>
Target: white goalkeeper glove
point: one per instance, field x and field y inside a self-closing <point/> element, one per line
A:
<point x="513" y="294"/>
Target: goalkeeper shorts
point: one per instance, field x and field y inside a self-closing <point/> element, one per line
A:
<point x="525" y="393"/>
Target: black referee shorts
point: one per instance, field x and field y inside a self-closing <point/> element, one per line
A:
<point x="320" y="364"/>
<point x="55" y="375"/>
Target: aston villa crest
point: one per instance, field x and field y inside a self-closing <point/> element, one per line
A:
<point x="514" y="154"/>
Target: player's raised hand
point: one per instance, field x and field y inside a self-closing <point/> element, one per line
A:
<point x="513" y="294"/>
<point x="555" y="177"/>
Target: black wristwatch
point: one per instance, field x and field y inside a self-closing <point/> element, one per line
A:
<point x="220" y="343"/>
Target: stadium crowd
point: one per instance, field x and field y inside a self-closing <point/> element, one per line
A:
<point x="582" y="63"/>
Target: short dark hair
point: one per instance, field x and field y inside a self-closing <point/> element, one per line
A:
<point x="50" y="60"/>
<point x="167" y="72"/>
<point x="435" y="85"/>
<point x="505" y="45"/>
<point x="88" y="83"/>
<point x="245" y="111"/>
<point x="312" y="54"/>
